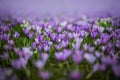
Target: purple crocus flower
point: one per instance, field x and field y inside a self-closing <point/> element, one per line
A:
<point x="39" y="64"/>
<point x="67" y="53"/>
<point x="37" y="40"/>
<point x="31" y="35"/>
<point x="39" y="48"/>
<point x="94" y="33"/>
<point x="116" y="70"/>
<point x="109" y="29"/>
<point x="62" y="36"/>
<point x="5" y="55"/>
<point x="20" y="63"/>
<point x="111" y="51"/>
<point x="117" y="43"/>
<point x="75" y="35"/>
<point x="97" y="42"/>
<point x="102" y="67"/>
<point x="44" y="75"/>
<point x="86" y="46"/>
<point x="27" y="52"/>
<point x="78" y="40"/>
<point x="101" y="29"/>
<point x="75" y="75"/>
<point x="115" y="23"/>
<point x="6" y="36"/>
<point x="16" y="35"/>
<point x="70" y="35"/>
<point x="57" y="47"/>
<point x="38" y="28"/>
<point x="77" y="58"/>
<point x="96" y="67"/>
<point x="83" y="33"/>
<point x="98" y="54"/>
<point x="90" y="57"/>
<point x="14" y="77"/>
<point x="26" y="31"/>
<point x="7" y="47"/>
<point x="76" y="46"/>
<point x="44" y="56"/>
<point x="53" y="36"/>
<point x="64" y="43"/>
<point x="99" y="67"/>
<point x="10" y="42"/>
<point x="69" y="27"/>
<point x="58" y="29"/>
<point x="103" y="48"/>
<point x="50" y="43"/>
<point x="107" y="60"/>
<point x="59" y="56"/>
<point x="104" y="38"/>
<point x="33" y="45"/>
<point x="40" y="37"/>
<point x="91" y="49"/>
<point x="18" y="51"/>
<point x="46" y="48"/>
<point x="63" y="55"/>
<point x="115" y="59"/>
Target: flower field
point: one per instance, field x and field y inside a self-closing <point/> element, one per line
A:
<point x="60" y="48"/>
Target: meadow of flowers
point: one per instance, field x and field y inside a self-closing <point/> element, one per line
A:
<point x="60" y="48"/>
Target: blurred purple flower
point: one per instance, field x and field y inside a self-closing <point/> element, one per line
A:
<point x="77" y="58"/>
<point x="86" y="46"/>
<point x="58" y="29"/>
<point x="117" y="43"/>
<point x="106" y="60"/>
<point x="64" y="43"/>
<point x="16" y="35"/>
<point x="116" y="70"/>
<point x="76" y="46"/>
<point x="27" y="52"/>
<point x="104" y="37"/>
<point x="10" y="42"/>
<point x="39" y="48"/>
<point x="6" y="36"/>
<point x="91" y="49"/>
<point x="37" y="40"/>
<point x="97" y="42"/>
<point x="90" y="57"/>
<point x="61" y="56"/>
<point x="39" y="64"/>
<point x="26" y="31"/>
<point x="44" y="75"/>
<point x="14" y="77"/>
<point x="46" y="48"/>
<point x="96" y="67"/>
<point x="94" y="33"/>
<point x="109" y="29"/>
<point x="83" y="33"/>
<point x="98" y="54"/>
<point x="31" y="35"/>
<point x="44" y="56"/>
<point x="33" y="46"/>
<point x="53" y="36"/>
<point x="19" y="63"/>
<point x="75" y="75"/>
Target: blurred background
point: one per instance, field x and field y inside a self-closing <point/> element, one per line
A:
<point x="40" y="7"/>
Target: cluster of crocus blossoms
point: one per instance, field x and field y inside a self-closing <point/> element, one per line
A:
<point x="59" y="47"/>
